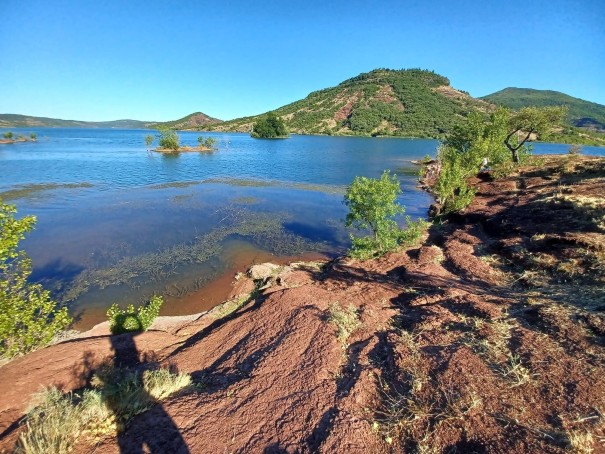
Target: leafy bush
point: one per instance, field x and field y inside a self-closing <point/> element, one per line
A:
<point x="33" y="136"/>
<point x="208" y="142"/>
<point x="372" y="206"/>
<point x="8" y="135"/>
<point x="134" y="320"/>
<point x="452" y="190"/>
<point x="29" y="318"/>
<point x="148" y="140"/>
<point x="269" y="127"/>
<point x="169" y="139"/>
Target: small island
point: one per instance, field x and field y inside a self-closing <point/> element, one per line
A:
<point x="169" y="143"/>
<point x="9" y="137"/>
<point x="270" y="127"/>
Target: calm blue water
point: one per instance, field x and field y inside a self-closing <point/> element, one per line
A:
<point x="133" y="223"/>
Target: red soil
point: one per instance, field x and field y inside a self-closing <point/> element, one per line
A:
<point x="489" y="337"/>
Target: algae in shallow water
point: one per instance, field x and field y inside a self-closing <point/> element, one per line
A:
<point x="325" y="188"/>
<point x="37" y="190"/>
<point x="263" y="229"/>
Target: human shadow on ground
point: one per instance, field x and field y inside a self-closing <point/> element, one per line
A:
<point x="161" y="435"/>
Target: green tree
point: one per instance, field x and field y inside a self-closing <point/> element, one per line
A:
<point x="372" y="206"/>
<point x="148" y="140"/>
<point x="8" y="135"/>
<point x="496" y="139"/>
<point x="207" y="142"/>
<point x="269" y="127"/>
<point x="169" y="139"/>
<point x="531" y="120"/>
<point x="29" y="318"/>
<point x="33" y="136"/>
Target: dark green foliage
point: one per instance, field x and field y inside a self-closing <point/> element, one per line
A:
<point x="372" y="206"/>
<point x="131" y="319"/>
<point x="8" y="135"/>
<point x="33" y="136"/>
<point x="269" y="127"/>
<point x="168" y="139"/>
<point x="579" y="112"/>
<point x="29" y="318"/>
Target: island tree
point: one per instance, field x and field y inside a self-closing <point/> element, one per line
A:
<point x="269" y="127"/>
<point x="169" y="139"/>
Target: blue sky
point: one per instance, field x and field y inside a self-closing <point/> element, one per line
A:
<point x="161" y="60"/>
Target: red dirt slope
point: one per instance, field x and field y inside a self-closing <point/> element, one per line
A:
<point x="489" y="337"/>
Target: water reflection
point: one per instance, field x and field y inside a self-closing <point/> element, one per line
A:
<point x="132" y="223"/>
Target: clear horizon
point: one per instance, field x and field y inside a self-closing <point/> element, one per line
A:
<point x="151" y="61"/>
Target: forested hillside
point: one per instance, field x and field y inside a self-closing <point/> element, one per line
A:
<point x="411" y="103"/>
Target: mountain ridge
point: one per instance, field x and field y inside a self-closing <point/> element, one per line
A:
<point x="581" y="113"/>
<point x="405" y="102"/>
<point x="195" y="119"/>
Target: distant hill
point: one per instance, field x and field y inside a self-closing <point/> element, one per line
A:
<point x="411" y="103"/>
<point x="195" y="121"/>
<point x="26" y="121"/>
<point x="582" y="114"/>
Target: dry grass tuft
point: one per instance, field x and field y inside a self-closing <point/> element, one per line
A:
<point x="345" y="319"/>
<point x="58" y="421"/>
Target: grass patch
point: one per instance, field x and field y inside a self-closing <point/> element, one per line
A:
<point x="59" y="421"/>
<point x="229" y="307"/>
<point x="346" y="320"/>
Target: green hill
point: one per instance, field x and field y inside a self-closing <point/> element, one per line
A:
<point x="410" y="103"/>
<point x="26" y="121"/>
<point x="196" y="120"/>
<point x="583" y="114"/>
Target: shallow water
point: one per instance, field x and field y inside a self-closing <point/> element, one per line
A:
<point x="117" y="223"/>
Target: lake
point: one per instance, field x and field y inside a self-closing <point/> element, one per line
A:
<point x="118" y="223"/>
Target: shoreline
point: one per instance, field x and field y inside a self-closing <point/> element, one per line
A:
<point x="215" y="292"/>
<point x="487" y="327"/>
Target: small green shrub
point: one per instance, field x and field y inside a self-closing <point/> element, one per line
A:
<point x="33" y="136"/>
<point x="169" y="139"/>
<point x="8" y="135"/>
<point x="148" y="140"/>
<point x="413" y="231"/>
<point x="131" y="319"/>
<point x="208" y="142"/>
<point x="452" y="190"/>
<point x="372" y="206"/>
